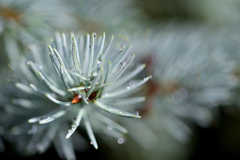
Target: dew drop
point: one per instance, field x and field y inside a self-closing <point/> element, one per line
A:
<point x="74" y="125"/>
<point x="120" y="140"/>
<point x="184" y="62"/>
<point x="122" y="64"/>
<point x="70" y="130"/>
<point x="180" y="95"/>
<point x="94" y="74"/>
<point x="128" y="87"/>
<point x="132" y="83"/>
<point x="122" y="46"/>
<point x="91" y="143"/>
<point x="28" y="62"/>
<point x="94" y="34"/>
<point x="137" y="113"/>
<point x="111" y="36"/>
<point x="40" y="146"/>
<point x="98" y="62"/>
<point x="106" y="94"/>
<point x="30" y="46"/>
<point x="110" y="126"/>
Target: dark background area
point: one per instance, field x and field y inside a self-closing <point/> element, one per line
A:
<point x="221" y="142"/>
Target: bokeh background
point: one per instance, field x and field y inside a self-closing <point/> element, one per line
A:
<point x="190" y="47"/>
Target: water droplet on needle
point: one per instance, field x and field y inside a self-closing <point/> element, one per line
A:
<point x="122" y="64"/>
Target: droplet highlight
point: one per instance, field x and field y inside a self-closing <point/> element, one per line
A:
<point x="120" y="140"/>
<point x="122" y="64"/>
